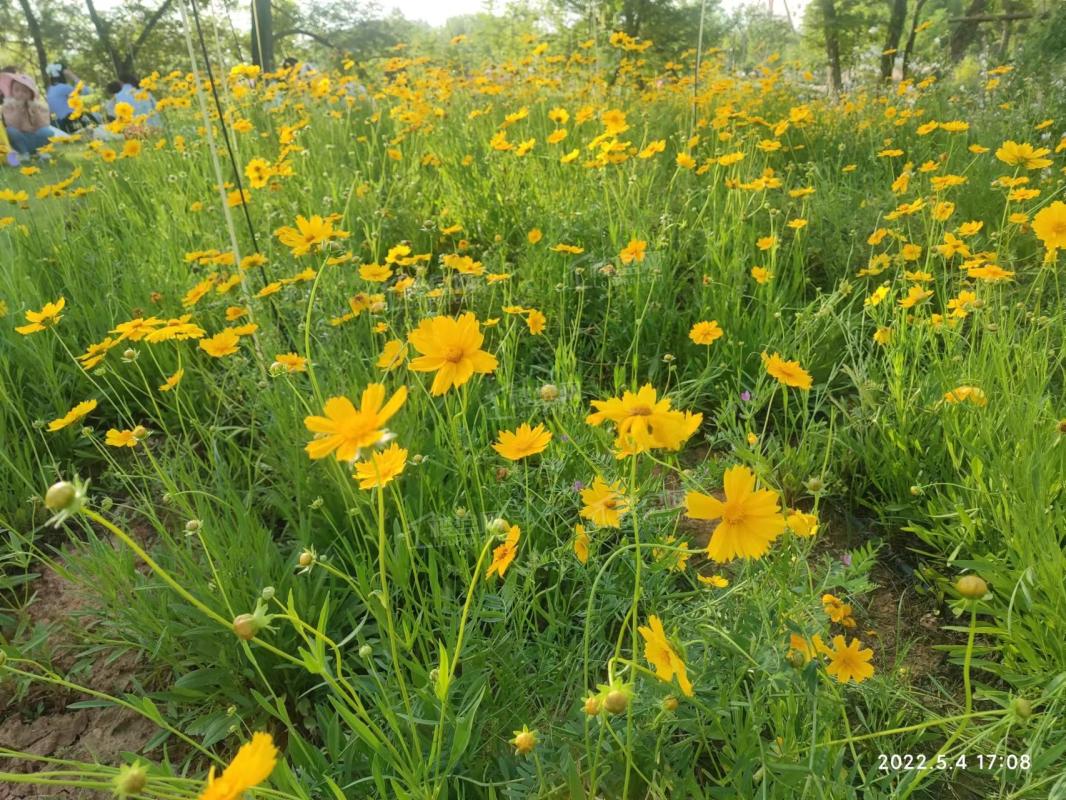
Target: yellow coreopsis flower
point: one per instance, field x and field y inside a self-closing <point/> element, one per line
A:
<point x="381" y="467"/>
<point x="1049" y="225"/>
<point x="1023" y="155"/>
<point x="604" y="503"/>
<point x="661" y="655"/>
<point x="503" y="555"/>
<point x="125" y="438"/>
<point x="706" y="332"/>
<point x="581" y="543"/>
<point x="80" y="411"/>
<point x="750" y="519"/>
<point x="451" y="348"/>
<point x="346" y="429"/>
<point x="250" y="767"/>
<point x="643" y="422"/>
<point x="633" y="252"/>
<point x="789" y="373"/>
<point x="45" y="318"/>
<point x="847" y="662"/>
<point x="224" y="343"/>
<point x="523" y="442"/>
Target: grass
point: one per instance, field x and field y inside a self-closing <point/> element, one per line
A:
<point x="382" y="658"/>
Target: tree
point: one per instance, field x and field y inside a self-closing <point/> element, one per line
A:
<point x="124" y="64"/>
<point x="893" y="34"/>
<point x="34" y="28"/>
<point x="966" y="30"/>
<point x="263" y="35"/>
<point x="832" y="43"/>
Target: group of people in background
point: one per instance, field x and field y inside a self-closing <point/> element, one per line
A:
<point x="31" y="121"/>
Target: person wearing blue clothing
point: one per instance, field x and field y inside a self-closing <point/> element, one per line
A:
<point x="126" y="90"/>
<point x="62" y="82"/>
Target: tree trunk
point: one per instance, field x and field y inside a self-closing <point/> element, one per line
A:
<point x="832" y="44"/>
<point x="146" y="31"/>
<point x="963" y="35"/>
<point x="38" y="41"/>
<point x="893" y="34"/>
<point x="105" y="37"/>
<point x="913" y="35"/>
<point x="262" y="35"/>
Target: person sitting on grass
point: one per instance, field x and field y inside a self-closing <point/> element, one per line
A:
<point x="26" y="119"/>
<point x="62" y="82"/>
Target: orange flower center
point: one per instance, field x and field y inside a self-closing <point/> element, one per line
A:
<point x="454" y="354"/>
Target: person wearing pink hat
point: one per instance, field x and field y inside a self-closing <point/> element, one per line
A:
<point x="26" y="119"/>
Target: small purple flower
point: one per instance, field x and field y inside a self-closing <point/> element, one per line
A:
<point x="578" y="486"/>
<point x="846" y="559"/>
<point x="745" y="396"/>
<point x="564" y="438"/>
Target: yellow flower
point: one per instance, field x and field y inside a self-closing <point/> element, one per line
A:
<point x="381" y="468"/>
<point x="1023" y="155"/>
<point x="451" y="348"/>
<point x="659" y="653"/>
<point x="643" y="422"/>
<point x="717" y="581"/>
<point x="392" y="355"/>
<point x="604" y="503"/>
<point x="347" y="429"/>
<point x="1049" y="225"/>
<point x="258" y="171"/>
<point x="705" y="332"/>
<point x="375" y="273"/>
<point x="761" y="274"/>
<point x="536" y="321"/>
<point x="222" y="344"/>
<point x="523" y="442"/>
<point x="250" y="767"/>
<point x="46" y="317"/>
<point x="848" y="662"/>
<point x="290" y="362"/>
<point x="170" y="383"/>
<point x="915" y="295"/>
<point x="534" y="236"/>
<point x="581" y="543"/>
<point x="634" y="251"/>
<point x="308" y="234"/>
<point x="126" y="438"/>
<point x="79" y="411"/>
<point x="883" y="336"/>
<point x="766" y="242"/>
<point x="750" y="519"/>
<point x="503" y="555"/>
<point x="789" y="373"/>
<point x="966" y="394"/>
<point x="802" y="524"/>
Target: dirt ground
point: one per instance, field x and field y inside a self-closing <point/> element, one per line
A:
<point x="42" y="724"/>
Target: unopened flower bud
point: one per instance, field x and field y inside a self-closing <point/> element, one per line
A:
<point x="193" y="525"/>
<point x="267" y="594"/>
<point x="306" y="558"/>
<point x="616" y="701"/>
<point x="365" y="652"/>
<point x="60" y="496"/>
<point x="245" y="626"/>
<point x="972" y="587"/>
<point x="131" y="780"/>
<point x="814" y="484"/>
<point x="502" y="473"/>
<point x="549" y="392"/>
<point x="1022" y="708"/>
<point x="499" y="526"/>
<point x="670" y="703"/>
<point x="592" y="705"/>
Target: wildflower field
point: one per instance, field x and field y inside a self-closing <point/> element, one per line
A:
<point x="566" y="426"/>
